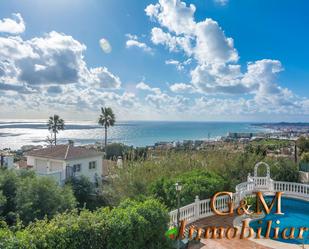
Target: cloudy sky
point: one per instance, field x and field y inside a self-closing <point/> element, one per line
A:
<point x="228" y="60"/>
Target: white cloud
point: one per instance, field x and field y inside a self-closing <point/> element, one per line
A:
<point x="55" y="58"/>
<point x="103" y="78"/>
<point x="172" y="62"/>
<point x="20" y="88"/>
<point x="262" y="76"/>
<point x="212" y="46"/>
<point x="141" y="45"/>
<point x="16" y="25"/>
<point x="179" y="65"/>
<point x="176" y="63"/>
<point x="14" y="48"/>
<point x="222" y="107"/>
<point x="49" y="72"/>
<point x="146" y="87"/>
<point x="262" y="72"/>
<point x="218" y="78"/>
<point x="105" y="45"/>
<point x="181" y="88"/>
<point x="173" y="43"/>
<point x="221" y="2"/>
<point x="217" y="70"/>
<point x="71" y="98"/>
<point x="204" y="40"/>
<point x="134" y="42"/>
<point x="46" y="73"/>
<point x="132" y="37"/>
<point x="171" y="104"/>
<point x="174" y="15"/>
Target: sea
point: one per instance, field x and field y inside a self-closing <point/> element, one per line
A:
<point x="16" y="133"/>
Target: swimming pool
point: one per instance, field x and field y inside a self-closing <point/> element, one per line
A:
<point x="296" y="214"/>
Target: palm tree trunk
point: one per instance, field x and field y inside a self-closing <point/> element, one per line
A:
<point x="105" y="137"/>
<point x="55" y="138"/>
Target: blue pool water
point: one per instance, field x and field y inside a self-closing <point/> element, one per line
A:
<point x="296" y="214"/>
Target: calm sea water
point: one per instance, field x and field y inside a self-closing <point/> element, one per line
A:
<point x="14" y="134"/>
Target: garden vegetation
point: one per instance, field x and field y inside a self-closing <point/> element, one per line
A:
<point x="130" y="209"/>
<point x="133" y="225"/>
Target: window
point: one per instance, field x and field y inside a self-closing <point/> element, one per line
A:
<point x="92" y="165"/>
<point x="77" y="167"/>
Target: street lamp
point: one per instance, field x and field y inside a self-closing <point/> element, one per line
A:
<point x="178" y="188"/>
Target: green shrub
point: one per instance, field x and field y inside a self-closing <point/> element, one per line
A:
<point x="137" y="178"/>
<point x="39" y="197"/>
<point x="283" y="169"/>
<point x="85" y="193"/>
<point x="114" y="150"/>
<point x="305" y="157"/>
<point x="24" y="195"/>
<point x="303" y="144"/>
<point x="197" y="182"/>
<point x="133" y="225"/>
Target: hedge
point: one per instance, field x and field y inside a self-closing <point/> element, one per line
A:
<point x="132" y="225"/>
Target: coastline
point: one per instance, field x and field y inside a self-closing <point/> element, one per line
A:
<point x="16" y="133"/>
<point x="132" y="133"/>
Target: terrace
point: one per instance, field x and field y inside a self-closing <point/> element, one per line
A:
<point x="200" y="213"/>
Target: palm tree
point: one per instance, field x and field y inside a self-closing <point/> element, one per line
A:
<point x="106" y="119"/>
<point x="55" y="124"/>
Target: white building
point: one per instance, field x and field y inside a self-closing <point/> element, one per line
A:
<point x="64" y="161"/>
<point x="6" y="161"/>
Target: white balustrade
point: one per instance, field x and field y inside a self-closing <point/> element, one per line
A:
<point x="201" y="208"/>
<point x="292" y="188"/>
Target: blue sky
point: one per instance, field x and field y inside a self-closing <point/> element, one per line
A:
<point x="233" y="60"/>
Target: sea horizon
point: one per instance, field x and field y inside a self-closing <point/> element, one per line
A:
<point x="18" y="132"/>
<point x="154" y="120"/>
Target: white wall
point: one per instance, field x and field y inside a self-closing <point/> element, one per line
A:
<point x="90" y="173"/>
<point x="56" y="165"/>
<point x="45" y="166"/>
<point x="41" y="165"/>
<point x="8" y="162"/>
<point x="30" y="160"/>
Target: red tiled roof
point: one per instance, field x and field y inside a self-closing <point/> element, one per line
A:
<point x="64" y="152"/>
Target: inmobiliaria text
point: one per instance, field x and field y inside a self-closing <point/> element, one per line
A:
<point x="244" y="231"/>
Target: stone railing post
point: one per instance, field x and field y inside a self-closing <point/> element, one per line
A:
<point x="271" y="184"/>
<point x="197" y="208"/>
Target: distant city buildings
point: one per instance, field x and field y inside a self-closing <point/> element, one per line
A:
<point x="64" y="161"/>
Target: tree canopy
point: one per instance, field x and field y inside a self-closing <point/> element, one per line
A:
<point x="55" y="124"/>
<point x="29" y="197"/>
<point x="132" y="225"/>
<point x="197" y="182"/>
<point x="303" y="144"/>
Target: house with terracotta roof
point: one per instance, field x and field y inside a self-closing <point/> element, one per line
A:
<point x="64" y="161"/>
